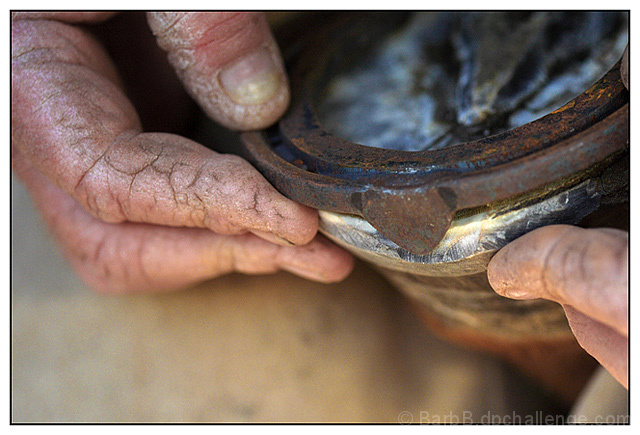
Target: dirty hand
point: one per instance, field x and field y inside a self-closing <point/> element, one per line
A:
<point x="586" y="271"/>
<point x="140" y="210"/>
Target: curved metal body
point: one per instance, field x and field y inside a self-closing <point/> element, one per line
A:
<point x="413" y="197"/>
<point x="432" y="219"/>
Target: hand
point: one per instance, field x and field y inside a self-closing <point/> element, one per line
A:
<point x="151" y="211"/>
<point x="586" y="271"/>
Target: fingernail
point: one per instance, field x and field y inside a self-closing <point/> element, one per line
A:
<point x="253" y="79"/>
<point x="273" y="238"/>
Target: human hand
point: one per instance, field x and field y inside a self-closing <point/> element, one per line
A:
<point x="151" y="211"/>
<point x="584" y="270"/>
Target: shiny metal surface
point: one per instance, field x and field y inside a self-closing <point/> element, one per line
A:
<point x="470" y="241"/>
<point x="451" y="280"/>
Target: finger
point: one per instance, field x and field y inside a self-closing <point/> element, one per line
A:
<point x="229" y="61"/>
<point x="73" y="122"/>
<point x="605" y="344"/>
<point x="130" y="257"/>
<point x="584" y="268"/>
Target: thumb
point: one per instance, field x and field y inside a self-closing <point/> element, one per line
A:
<point x="229" y="62"/>
<point x="587" y="269"/>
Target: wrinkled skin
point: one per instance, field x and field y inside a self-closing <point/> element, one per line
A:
<point x="137" y="210"/>
<point x="584" y="270"/>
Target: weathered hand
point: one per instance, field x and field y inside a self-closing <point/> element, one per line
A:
<point x="142" y="211"/>
<point x="585" y="270"/>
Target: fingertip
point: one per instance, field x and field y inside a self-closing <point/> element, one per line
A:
<point x="342" y="272"/>
<point x="298" y="229"/>
<point x="505" y="281"/>
<point x="303" y="229"/>
<point x="339" y="263"/>
<point x="320" y="261"/>
<point x="503" y="273"/>
<point x="287" y="223"/>
<point x="515" y="271"/>
<point x="498" y="273"/>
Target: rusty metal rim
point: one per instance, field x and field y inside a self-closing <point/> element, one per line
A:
<point x="392" y="209"/>
<point x="412" y="197"/>
<point x="302" y="134"/>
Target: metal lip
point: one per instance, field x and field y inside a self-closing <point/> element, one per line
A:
<point x="412" y="197"/>
<point x="303" y="135"/>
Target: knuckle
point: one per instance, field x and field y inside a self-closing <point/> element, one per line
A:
<point x="106" y="187"/>
<point x="185" y="35"/>
<point x="71" y="17"/>
<point x="237" y="165"/>
<point x="110" y="265"/>
<point x="563" y="263"/>
<point x="220" y="28"/>
<point x="239" y="177"/>
<point x="253" y="256"/>
<point x="40" y="42"/>
<point x="96" y="194"/>
<point x="587" y="268"/>
<point x="228" y="27"/>
<point x="164" y="25"/>
<point x="94" y="263"/>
